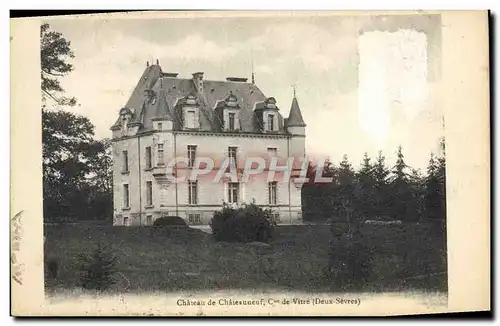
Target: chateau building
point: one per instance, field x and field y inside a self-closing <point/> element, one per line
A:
<point x="167" y="118"/>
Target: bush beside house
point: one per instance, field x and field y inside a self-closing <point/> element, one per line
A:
<point x="166" y="221"/>
<point x="247" y="223"/>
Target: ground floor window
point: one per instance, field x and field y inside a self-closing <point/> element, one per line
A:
<point x="149" y="220"/>
<point x="233" y="192"/>
<point x="194" y="218"/>
<point x="273" y="192"/>
<point x="126" y="221"/>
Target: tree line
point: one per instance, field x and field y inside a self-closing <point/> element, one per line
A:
<point x="377" y="191"/>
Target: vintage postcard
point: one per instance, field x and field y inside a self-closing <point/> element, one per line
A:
<point x="250" y="164"/>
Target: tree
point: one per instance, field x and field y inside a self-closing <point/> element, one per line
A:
<point x="343" y="192"/>
<point x="55" y="51"/>
<point x="366" y="180"/>
<point x="100" y="179"/>
<point x="400" y="194"/>
<point x="417" y="190"/>
<point x="67" y="139"/>
<point x="381" y="189"/>
<point x="432" y="189"/>
<point x="76" y="168"/>
<point x="100" y="163"/>
<point x="316" y="197"/>
<point x="98" y="269"/>
<point x="435" y="190"/>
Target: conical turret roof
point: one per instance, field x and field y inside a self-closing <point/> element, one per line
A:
<point x="295" y="117"/>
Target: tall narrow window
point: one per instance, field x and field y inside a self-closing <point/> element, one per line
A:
<point x="148" y="157"/>
<point x="124" y="125"/>
<point x="126" y="198"/>
<point x="233" y="192"/>
<point x="190" y="117"/>
<point x="191" y="155"/>
<point x="270" y="122"/>
<point x="232" y="154"/>
<point x="273" y="192"/>
<point x="161" y="155"/>
<point x="126" y="221"/>
<point x="160" y="126"/>
<point x="149" y="220"/>
<point x="149" y="193"/>
<point x="125" y="161"/>
<point x="232" y="116"/>
<point x="193" y="192"/>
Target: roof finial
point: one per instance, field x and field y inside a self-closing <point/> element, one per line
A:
<point x="294" y="90"/>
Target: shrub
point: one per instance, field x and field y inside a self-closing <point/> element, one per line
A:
<point x="98" y="269"/>
<point x="244" y="224"/>
<point x="170" y="221"/>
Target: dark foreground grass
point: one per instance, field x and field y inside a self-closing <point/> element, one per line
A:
<point x="403" y="257"/>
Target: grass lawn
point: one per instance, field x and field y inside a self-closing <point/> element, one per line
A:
<point x="409" y="257"/>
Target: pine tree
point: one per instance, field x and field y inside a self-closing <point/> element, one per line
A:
<point x="400" y="194"/>
<point x="433" y="197"/>
<point x="417" y="189"/>
<point x="342" y="191"/>
<point x="365" y="178"/>
<point x="436" y="185"/>
<point x="399" y="170"/>
<point x="381" y="191"/>
<point x="98" y="269"/>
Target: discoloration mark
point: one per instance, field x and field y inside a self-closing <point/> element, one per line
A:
<point x="17" y="233"/>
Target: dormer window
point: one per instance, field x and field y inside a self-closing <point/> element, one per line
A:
<point x="270" y="122"/>
<point x="230" y="111"/>
<point x="125" y="116"/>
<point x="268" y="115"/>
<point x="124" y="123"/>
<point x="231" y="118"/>
<point x="190" y="116"/>
<point x="191" y="113"/>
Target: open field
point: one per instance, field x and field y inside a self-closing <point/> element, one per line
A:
<point x="407" y="256"/>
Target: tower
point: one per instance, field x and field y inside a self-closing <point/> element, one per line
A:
<point x="296" y="126"/>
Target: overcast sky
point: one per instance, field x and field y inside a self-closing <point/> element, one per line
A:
<point x="357" y="93"/>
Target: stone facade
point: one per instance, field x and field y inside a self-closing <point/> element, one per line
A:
<point x="168" y="117"/>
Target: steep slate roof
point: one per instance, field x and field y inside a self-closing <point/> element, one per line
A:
<point x="295" y="118"/>
<point x="162" y="109"/>
<point x="168" y="92"/>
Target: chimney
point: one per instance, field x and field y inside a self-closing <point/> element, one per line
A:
<point x="170" y="74"/>
<point x="157" y="62"/>
<point x="198" y="81"/>
<point x="147" y="63"/>
<point x="198" y="76"/>
<point x="237" y="79"/>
